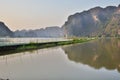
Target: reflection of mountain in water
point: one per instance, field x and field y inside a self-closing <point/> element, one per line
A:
<point x="98" y="54"/>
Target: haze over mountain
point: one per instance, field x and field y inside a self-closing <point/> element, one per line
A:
<point x="94" y="22"/>
<point x="52" y="32"/>
<point x="49" y="32"/>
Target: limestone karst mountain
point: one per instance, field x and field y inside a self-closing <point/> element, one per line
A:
<point x="5" y="31"/>
<point x="91" y="23"/>
<point x="94" y="22"/>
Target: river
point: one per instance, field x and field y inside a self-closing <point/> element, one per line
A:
<point x="94" y="60"/>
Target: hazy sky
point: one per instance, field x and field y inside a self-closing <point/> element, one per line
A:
<point x="33" y="14"/>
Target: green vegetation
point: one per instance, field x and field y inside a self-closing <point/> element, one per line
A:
<point x="5" y="50"/>
<point x="32" y="45"/>
<point x="77" y="40"/>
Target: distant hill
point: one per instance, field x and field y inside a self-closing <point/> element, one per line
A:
<point x="50" y="32"/>
<point x="94" y="22"/>
<point x="5" y="31"/>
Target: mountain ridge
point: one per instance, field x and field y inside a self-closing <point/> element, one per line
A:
<point x="92" y="22"/>
<point x="52" y="32"/>
<point x="5" y="31"/>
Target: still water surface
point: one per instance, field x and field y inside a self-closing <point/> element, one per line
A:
<point x="95" y="60"/>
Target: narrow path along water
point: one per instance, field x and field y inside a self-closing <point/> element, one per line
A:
<point x="15" y="41"/>
<point x="39" y="45"/>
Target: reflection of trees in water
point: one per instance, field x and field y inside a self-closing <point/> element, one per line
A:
<point x="98" y="54"/>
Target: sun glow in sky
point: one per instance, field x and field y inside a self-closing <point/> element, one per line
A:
<point x="35" y="14"/>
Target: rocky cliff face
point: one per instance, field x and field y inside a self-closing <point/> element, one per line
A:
<point x="94" y="22"/>
<point x="5" y="31"/>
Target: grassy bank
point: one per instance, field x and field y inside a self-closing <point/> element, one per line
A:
<point x="52" y="44"/>
<point x="32" y="46"/>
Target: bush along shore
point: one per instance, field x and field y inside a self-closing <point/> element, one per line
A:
<point x="4" y="50"/>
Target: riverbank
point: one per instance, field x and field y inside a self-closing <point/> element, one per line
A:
<point x="9" y="49"/>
